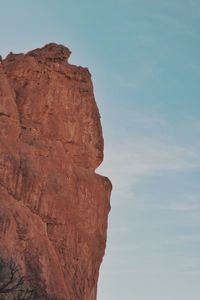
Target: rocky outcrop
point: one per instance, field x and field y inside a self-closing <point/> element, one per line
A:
<point x="53" y="206"/>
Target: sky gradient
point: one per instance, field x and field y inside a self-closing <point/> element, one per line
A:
<point x="145" y="63"/>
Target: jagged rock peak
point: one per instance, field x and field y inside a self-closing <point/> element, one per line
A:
<point x="51" y="52"/>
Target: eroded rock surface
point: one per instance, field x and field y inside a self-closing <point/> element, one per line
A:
<point x="53" y="206"/>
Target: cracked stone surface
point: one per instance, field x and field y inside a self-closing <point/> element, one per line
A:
<point x="53" y="206"/>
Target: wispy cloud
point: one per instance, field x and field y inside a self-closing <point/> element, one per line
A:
<point x="127" y="161"/>
<point x="187" y="204"/>
<point x="183" y="239"/>
<point x="145" y="72"/>
<point x="130" y="157"/>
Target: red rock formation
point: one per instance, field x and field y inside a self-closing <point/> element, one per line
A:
<point x="53" y="206"/>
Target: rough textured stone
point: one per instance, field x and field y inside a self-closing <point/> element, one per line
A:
<point x="53" y="206"/>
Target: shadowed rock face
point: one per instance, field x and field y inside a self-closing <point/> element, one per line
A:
<point x="53" y="206"/>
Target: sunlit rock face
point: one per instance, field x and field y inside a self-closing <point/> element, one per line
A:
<point x="53" y="206"/>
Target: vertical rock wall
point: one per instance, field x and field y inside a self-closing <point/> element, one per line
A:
<point x="53" y="206"/>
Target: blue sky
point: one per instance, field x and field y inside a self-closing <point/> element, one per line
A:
<point x="144" y="58"/>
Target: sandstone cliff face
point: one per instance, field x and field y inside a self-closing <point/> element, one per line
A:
<point x="53" y="206"/>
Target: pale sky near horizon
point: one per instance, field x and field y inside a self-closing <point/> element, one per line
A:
<point x="145" y="63"/>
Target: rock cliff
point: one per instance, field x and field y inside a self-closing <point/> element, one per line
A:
<point x="53" y="206"/>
